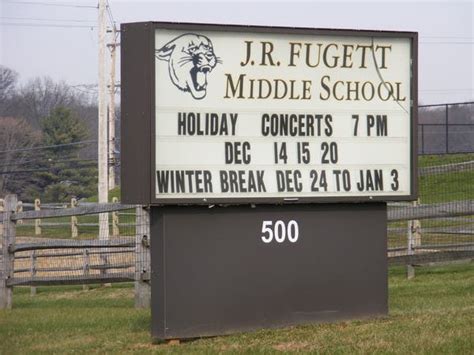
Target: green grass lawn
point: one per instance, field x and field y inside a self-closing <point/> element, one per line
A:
<point x="443" y="159"/>
<point x="446" y="187"/>
<point x="431" y="314"/>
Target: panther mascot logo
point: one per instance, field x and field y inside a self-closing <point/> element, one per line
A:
<point x="190" y="59"/>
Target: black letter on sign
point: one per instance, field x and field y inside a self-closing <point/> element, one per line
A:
<point x="395" y="184"/>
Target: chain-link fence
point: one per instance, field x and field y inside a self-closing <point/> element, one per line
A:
<point x="446" y="128"/>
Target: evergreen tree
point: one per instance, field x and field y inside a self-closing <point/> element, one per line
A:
<point x="16" y="138"/>
<point x="62" y="173"/>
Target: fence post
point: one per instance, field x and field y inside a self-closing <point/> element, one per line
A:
<point x="413" y="240"/>
<point x="19" y="208"/>
<point x="142" y="258"/>
<point x="85" y="267"/>
<point x="2" y="204"/>
<point x="2" y="259"/>
<point x="115" y="220"/>
<point x="416" y="228"/>
<point x="74" y="231"/>
<point x="37" y="221"/>
<point x="33" y="271"/>
<point x="447" y="129"/>
<point x="422" y="138"/>
<point x="9" y="232"/>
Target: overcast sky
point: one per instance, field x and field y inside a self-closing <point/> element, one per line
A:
<point x="59" y="38"/>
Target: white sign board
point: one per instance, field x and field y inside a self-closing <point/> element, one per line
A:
<point x="256" y="115"/>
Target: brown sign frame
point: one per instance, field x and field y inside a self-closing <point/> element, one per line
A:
<point x="138" y="112"/>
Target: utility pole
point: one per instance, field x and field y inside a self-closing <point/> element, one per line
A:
<point x="102" y="132"/>
<point x="113" y="51"/>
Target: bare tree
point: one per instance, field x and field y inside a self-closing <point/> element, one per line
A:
<point x="40" y="96"/>
<point x="8" y="81"/>
<point x="16" y="135"/>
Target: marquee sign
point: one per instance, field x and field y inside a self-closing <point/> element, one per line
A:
<point x="254" y="114"/>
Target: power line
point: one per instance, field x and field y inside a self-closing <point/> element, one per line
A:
<point x="45" y="156"/>
<point x="20" y="163"/>
<point x="58" y="166"/>
<point x="49" y="161"/>
<point x="85" y="85"/>
<point x="43" y="170"/>
<point x="445" y="90"/>
<point x="85" y="90"/>
<point x="459" y="42"/>
<point x="44" y="25"/>
<point x="111" y="17"/>
<point x="44" y="19"/>
<point x="452" y="37"/>
<point x="444" y="93"/>
<point x="48" y="4"/>
<point x="48" y="146"/>
<point x="22" y="171"/>
<point x="34" y="161"/>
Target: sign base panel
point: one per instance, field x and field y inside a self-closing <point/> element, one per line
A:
<point x="217" y="271"/>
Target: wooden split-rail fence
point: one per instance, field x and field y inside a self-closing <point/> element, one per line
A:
<point x="97" y="262"/>
<point x="27" y="261"/>
<point x="73" y="225"/>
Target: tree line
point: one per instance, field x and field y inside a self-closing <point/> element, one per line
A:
<point x="48" y="139"/>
